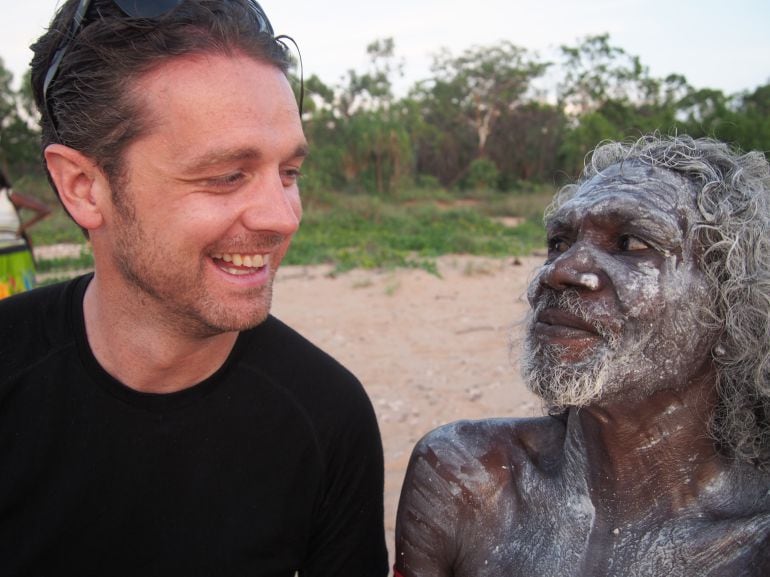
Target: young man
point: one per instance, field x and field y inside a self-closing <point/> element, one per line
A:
<point x="649" y="338"/>
<point x="154" y="418"/>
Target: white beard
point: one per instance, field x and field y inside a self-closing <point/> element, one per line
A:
<point x="561" y="384"/>
<point x="572" y="383"/>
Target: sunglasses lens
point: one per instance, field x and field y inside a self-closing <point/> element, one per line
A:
<point x="147" y="8"/>
<point x="157" y="8"/>
<point x="264" y="23"/>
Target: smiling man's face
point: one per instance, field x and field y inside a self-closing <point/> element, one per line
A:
<point x="211" y="201"/>
<point x="615" y="308"/>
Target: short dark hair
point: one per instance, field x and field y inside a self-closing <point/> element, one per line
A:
<point x="91" y="100"/>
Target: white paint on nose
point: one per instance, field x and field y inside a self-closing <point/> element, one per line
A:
<point x="589" y="280"/>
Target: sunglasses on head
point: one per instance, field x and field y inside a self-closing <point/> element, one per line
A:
<point x="147" y="10"/>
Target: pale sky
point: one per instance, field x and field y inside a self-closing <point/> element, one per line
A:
<point x="722" y="44"/>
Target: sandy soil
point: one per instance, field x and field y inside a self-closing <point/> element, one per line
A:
<point x="428" y="350"/>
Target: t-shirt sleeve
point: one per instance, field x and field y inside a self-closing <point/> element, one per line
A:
<point x="348" y="535"/>
<point x="347" y="532"/>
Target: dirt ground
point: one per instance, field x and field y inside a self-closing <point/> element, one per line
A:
<point x="428" y="350"/>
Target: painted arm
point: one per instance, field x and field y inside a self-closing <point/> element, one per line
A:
<point x="425" y="524"/>
<point x="458" y="512"/>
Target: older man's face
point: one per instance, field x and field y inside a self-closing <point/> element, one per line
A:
<point x="616" y="307"/>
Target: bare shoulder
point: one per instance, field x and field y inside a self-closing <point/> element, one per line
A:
<point x="461" y="478"/>
<point x="464" y="450"/>
<point x="466" y="465"/>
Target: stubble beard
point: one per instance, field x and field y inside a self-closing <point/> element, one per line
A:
<point x="188" y="307"/>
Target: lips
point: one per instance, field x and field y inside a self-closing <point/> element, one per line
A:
<point x="558" y="323"/>
<point x="239" y="264"/>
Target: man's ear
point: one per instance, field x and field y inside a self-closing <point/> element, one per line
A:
<point x="80" y="183"/>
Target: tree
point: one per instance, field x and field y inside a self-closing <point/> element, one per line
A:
<point x="596" y="72"/>
<point x="468" y="94"/>
<point x="526" y="142"/>
<point x="445" y="143"/>
<point x="487" y="82"/>
<point x="372" y="90"/>
<point x="359" y="137"/>
<point x="377" y="150"/>
<point x="609" y="94"/>
<point x="754" y="120"/>
<point x="19" y="136"/>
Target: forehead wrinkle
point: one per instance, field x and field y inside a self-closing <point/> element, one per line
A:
<point x="660" y="189"/>
<point x="657" y="195"/>
<point x="671" y="188"/>
<point x="612" y="207"/>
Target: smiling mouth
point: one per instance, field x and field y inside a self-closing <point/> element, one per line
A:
<point x="236" y="263"/>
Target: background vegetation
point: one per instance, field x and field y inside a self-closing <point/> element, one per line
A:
<point x="395" y="181"/>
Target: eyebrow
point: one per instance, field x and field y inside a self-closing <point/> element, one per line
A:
<point x="216" y="157"/>
<point x="667" y="227"/>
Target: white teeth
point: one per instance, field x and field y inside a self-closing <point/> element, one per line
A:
<point x="238" y="259"/>
<point x="236" y="271"/>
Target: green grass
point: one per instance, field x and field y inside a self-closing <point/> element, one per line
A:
<point x="57" y="228"/>
<point x="85" y="260"/>
<point x="368" y="232"/>
<point x="410" y="229"/>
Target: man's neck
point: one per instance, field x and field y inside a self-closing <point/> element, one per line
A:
<point x="647" y="454"/>
<point x="133" y="345"/>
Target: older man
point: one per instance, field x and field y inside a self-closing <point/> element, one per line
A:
<point x="649" y="339"/>
<point x="154" y="418"/>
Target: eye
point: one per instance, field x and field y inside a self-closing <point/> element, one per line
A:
<point x="630" y="243"/>
<point x="290" y="176"/>
<point x="558" y="245"/>
<point x="226" y="181"/>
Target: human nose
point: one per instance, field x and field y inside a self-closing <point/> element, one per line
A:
<point x="273" y="207"/>
<point x="577" y="268"/>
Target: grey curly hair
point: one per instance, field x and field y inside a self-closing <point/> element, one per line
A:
<point x="733" y="231"/>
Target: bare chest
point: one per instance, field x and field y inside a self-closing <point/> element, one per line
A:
<point x="570" y="541"/>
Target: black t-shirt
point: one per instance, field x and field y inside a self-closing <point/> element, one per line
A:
<point x="270" y="466"/>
